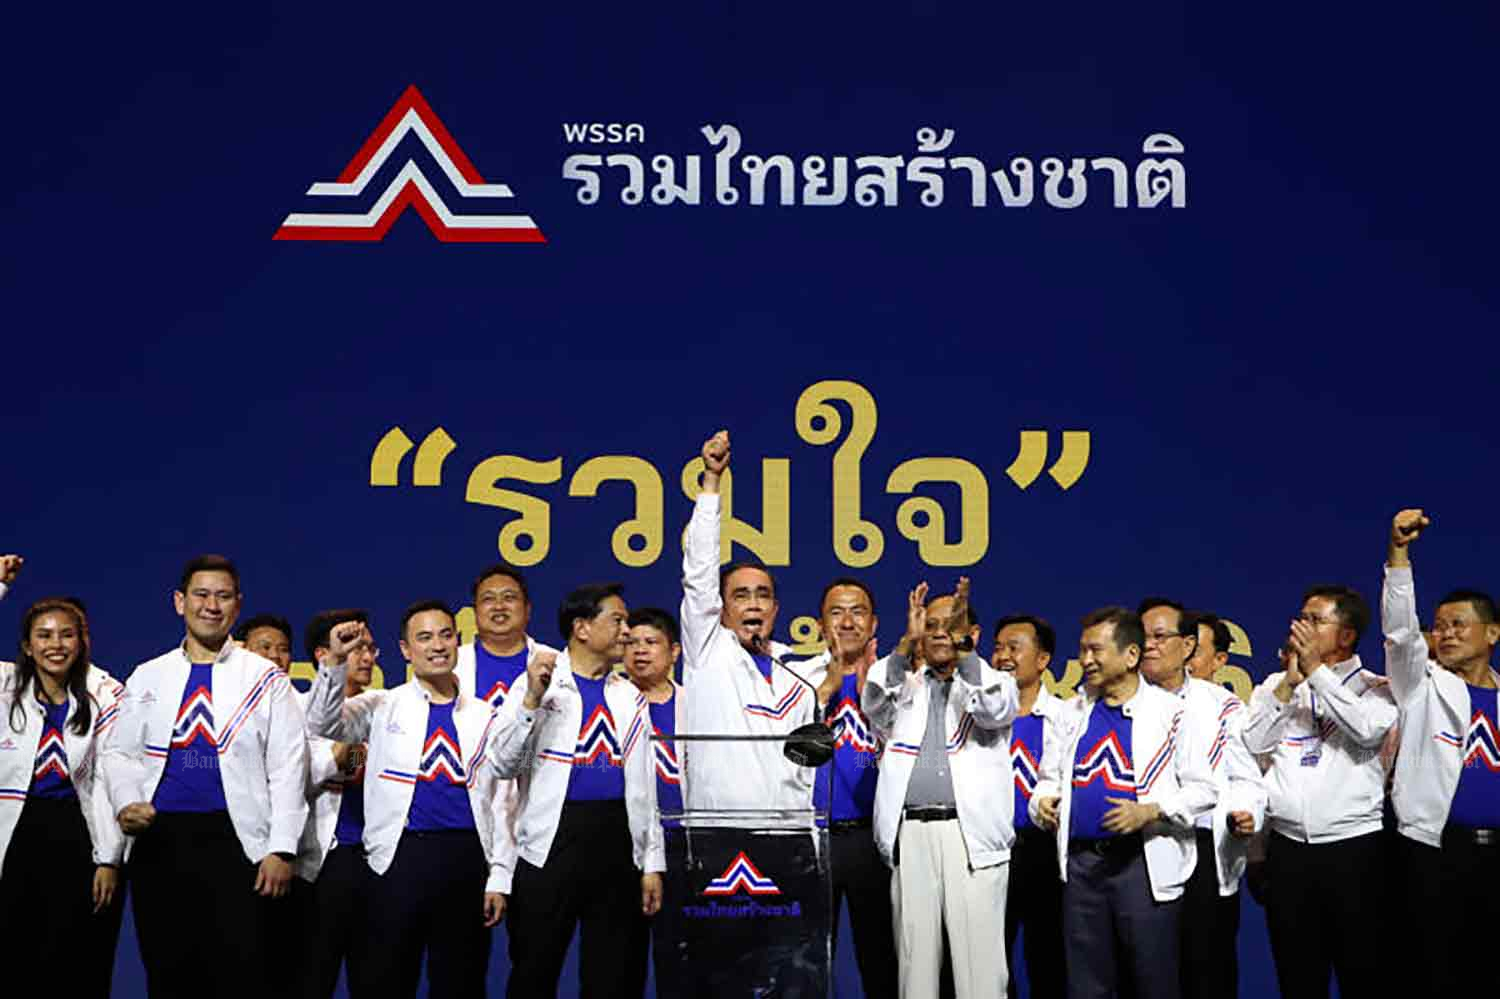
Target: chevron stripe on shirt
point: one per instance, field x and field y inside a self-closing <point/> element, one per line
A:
<point x="191" y="780"/>
<point x="440" y="792"/>
<point x="49" y="775"/>
<point x="598" y="773"/>
<point x="1476" y="800"/>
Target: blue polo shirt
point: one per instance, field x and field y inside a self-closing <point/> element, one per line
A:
<point x="853" y="774"/>
<point x="494" y="675"/>
<point x="1025" y="763"/>
<point x="1101" y="769"/>
<point x="191" y="781"/>
<point x="49" y="776"/>
<point x="440" y="799"/>
<point x="598" y="773"/>
<point x="1476" y="802"/>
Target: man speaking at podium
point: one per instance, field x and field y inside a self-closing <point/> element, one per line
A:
<point x="746" y="889"/>
<point x="732" y="682"/>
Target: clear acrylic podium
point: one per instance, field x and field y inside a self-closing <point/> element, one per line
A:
<point x="746" y="903"/>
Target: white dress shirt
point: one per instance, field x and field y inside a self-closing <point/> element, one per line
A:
<point x="1326" y="781"/>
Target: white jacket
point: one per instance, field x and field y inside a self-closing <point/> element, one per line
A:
<point x="505" y="854"/>
<point x="1337" y="718"/>
<point x="536" y="749"/>
<point x="724" y="693"/>
<point x="394" y="724"/>
<point x="325" y="795"/>
<point x="259" y="730"/>
<point x="977" y="724"/>
<point x="1217" y="717"/>
<point x="1435" y="716"/>
<point x="18" y="760"/>
<point x="464" y="668"/>
<point x="1174" y="776"/>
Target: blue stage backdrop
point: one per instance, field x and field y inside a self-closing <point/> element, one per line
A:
<point x="1084" y="303"/>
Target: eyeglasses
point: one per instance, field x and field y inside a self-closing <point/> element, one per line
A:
<point x="370" y="648"/>
<point x="1160" y="637"/>
<point x="1316" y="621"/>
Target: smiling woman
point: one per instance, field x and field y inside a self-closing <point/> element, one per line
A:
<point x="59" y="846"/>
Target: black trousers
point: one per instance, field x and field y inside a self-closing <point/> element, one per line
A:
<point x="861" y="878"/>
<point x="1034" y="901"/>
<point x="1452" y="894"/>
<point x="47" y="899"/>
<point x="1320" y="898"/>
<point x="1210" y="930"/>
<point x="200" y="923"/>
<point x="590" y="878"/>
<point x="334" y="933"/>
<point x="429" y="901"/>
<point x="1119" y="939"/>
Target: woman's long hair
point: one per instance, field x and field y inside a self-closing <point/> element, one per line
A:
<point x="78" y="670"/>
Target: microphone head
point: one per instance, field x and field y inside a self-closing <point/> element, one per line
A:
<point x="809" y="745"/>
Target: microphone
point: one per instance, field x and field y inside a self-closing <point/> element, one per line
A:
<point x="809" y="745"/>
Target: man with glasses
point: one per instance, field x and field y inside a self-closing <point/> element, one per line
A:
<point x="1447" y="790"/>
<point x="331" y="857"/>
<point x="1210" y="904"/>
<point x="1322" y="721"/>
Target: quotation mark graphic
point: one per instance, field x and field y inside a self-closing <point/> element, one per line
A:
<point x="427" y="470"/>
<point x="1032" y="458"/>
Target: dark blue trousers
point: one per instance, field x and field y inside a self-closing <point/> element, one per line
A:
<point x="1120" y="940"/>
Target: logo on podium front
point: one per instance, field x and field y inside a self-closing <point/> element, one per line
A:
<point x="741" y="876"/>
<point x="372" y="191"/>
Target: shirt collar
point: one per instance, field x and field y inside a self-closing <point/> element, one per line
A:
<point x="225" y="651"/>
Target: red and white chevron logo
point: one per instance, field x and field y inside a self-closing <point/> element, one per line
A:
<point x="409" y="188"/>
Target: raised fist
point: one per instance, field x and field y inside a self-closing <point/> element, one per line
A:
<point x="1407" y="526"/>
<point x="716" y="453"/>
<point x="343" y="639"/>
<point x="10" y="568"/>
<point x="538" y="678"/>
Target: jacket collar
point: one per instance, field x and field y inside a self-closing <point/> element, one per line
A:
<point x="225" y="652"/>
<point x="1046" y="702"/>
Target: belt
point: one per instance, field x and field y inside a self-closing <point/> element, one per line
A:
<point x="1110" y="846"/>
<point x="1469" y="835"/>
<point x="930" y="813"/>
<point x="847" y="825"/>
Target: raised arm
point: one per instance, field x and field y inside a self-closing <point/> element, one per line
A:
<point x="994" y="701"/>
<point x="702" y="604"/>
<point x="885" y="679"/>
<point x="331" y="715"/>
<point x="10" y="568"/>
<point x="1365" y="716"/>
<point x="514" y="730"/>
<point x="1267" y="718"/>
<point x="1405" y="648"/>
